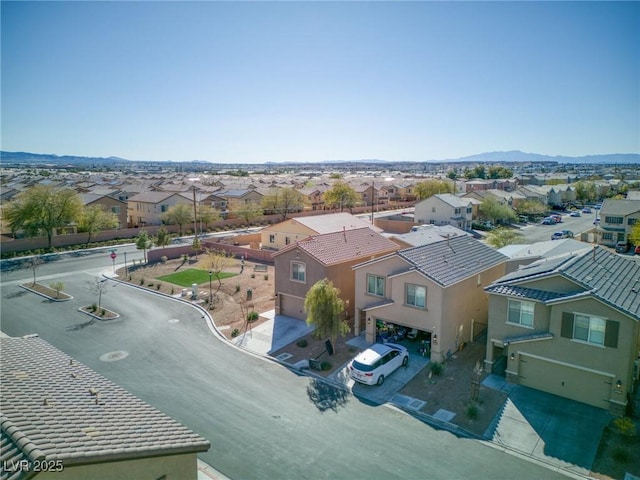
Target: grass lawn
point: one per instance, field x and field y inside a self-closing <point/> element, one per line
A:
<point x="188" y="277"/>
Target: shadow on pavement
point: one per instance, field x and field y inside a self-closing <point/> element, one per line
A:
<point x="325" y="396"/>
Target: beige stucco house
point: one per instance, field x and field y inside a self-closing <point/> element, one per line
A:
<point x="569" y="326"/>
<point x="109" y="204"/>
<point x="147" y="208"/>
<point x="437" y="289"/>
<point x="617" y="218"/>
<point x="299" y="266"/>
<point x="64" y="415"/>
<point x="290" y="231"/>
<point x="445" y="209"/>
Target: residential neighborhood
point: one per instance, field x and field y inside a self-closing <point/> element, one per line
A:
<point x="559" y="317"/>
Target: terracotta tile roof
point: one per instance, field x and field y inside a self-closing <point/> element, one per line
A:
<point x="345" y="246"/>
<point x="54" y="408"/>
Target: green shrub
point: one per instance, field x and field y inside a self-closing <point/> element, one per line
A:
<point x="302" y="343"/>
<point x="620" y="455"/>
<point x="150" y="284"/>
<point x="253" y="275"/>
<point x="472" y="410"/>
<point x="625" y="426"/>
<point x="252" y="316"/>
<point x="173" y="290"/>
<point x="142" y="281"/>
<point x="266" y="276"/>
<point x="237" y="288"/>
<point x="325" y="366"/>
<point x="93" y="307"/>
<point x="437" y="368"/>
<point x="163" y="259"/>
<point x="158" y="286"/>
<point x="235" y="332"/>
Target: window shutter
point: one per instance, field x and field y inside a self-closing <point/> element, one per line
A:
<point x="611" y="334"/>
<point x="566" y="330"/>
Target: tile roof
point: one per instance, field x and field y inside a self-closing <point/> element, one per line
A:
<point x="333" y="222"/>
<point x="452" y="200"/>
<point x="609" y="277"/>
<point x="523" y="292"/>
<point x="450" y="261"/>
<point x="425" y="234"/>
<point x="348" y="245"/>
<point x="151" y="197"/>
<point x="619" y="207"/>
<point x="55" y="408"/>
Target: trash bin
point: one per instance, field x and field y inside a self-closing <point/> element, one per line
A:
<point x="194" y="290"/>
<point x="249" y="294"/>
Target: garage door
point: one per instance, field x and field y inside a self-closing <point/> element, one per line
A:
<point x="292" y="306"/>
<point x="565" y="381"/>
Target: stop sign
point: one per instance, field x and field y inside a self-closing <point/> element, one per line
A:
<point x="113" y="255"/>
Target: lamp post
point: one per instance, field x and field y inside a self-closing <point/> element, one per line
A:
<point x="126" y="274"/>
<point x="210" y="290"/>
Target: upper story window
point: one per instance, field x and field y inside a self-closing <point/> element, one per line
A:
<point x="457" y="211"/>
<point x="115" y="209"/>
<point x="469" y="209"/>
<point x="521" y="312"/>
<point x="607" y="236"/>
<point x="375" y="285"/>
<point x="632" y="221"/>
<point x="298" y="272"/>
<point x="433" y="209"/>
<point x="613" y="219"/>
<point x="272" y="238"/>
<point x="164" y="208"/>
<point x="590" y="329"/>
<point x="287" y="240"/>
<point x="416" y="296"/>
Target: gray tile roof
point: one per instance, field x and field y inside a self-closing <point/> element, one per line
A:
<point x="609" y="277"/>
<point x="619" y="207"/>
<point x="54" y="408"/>
<point x="523" y="292"/>
<point x="450" y="261"/>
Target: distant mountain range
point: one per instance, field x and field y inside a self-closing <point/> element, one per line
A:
<point x="515" y="156"/>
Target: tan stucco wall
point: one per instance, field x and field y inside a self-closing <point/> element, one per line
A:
<point x="614" y="363"/>
<point x="174" y="466"/>
<point x="288" y="229"/>
<point x="449" y="311"/>
<point x="152" y="211"/>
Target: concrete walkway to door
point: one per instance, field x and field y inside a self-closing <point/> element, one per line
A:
<point x="553" y="429"/>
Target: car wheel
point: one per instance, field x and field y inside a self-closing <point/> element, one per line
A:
<point x="405" y="361"/>
<point x="380" y="379"/>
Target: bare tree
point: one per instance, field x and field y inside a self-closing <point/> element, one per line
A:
<point x="217" y="262"/>
<point x="98" y="288"/>
<point x="33" y="264"/>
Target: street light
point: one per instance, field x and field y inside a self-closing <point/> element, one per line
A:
<point x="210" y="290"/>
<point x="195" y="211"/>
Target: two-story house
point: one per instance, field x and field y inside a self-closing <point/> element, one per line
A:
<point x="570" y="326"/>
<point x="445" y="209"/>
<point x="108" y="204"/>
<point x="617" y="218"/>
<point x="300" y="265"/>
<point x="436" y="289"/>
<point x="147" y="208"/>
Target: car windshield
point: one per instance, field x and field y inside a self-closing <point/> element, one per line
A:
<point x="363" y="367"/>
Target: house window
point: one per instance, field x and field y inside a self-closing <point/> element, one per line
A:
<point x="298" y="272"/>
<point x="521" y="313"/>
<point x="375" y="285"/>
<point x="613" y="219"/>
<point x="272" y="238"/>
<point x="287" y="240"/>
<point x="164" y="208"/>
<point x="631" y="221"/>
<point x="416" y="296"/>
<point x="590" y="329"/>
<point x="115" y="209"/>
<point x="469" y="210"/>
<point x="433" y="209"/>
<point x="607" y="236"/>
<point x="457" y="211"/>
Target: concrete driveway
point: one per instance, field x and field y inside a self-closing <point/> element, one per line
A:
<point x="379" y="394"/>
<point x="552" y="429"/>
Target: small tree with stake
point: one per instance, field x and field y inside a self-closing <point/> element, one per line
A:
<point x="34" y="263"/>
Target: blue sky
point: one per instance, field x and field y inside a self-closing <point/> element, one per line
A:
<point x="313" y="81"/>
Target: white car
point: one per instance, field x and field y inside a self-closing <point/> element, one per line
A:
<point x="377" y="362"/>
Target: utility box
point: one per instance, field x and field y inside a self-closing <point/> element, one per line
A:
<point x="194" y="291"/>
<point x="249" y="294"/>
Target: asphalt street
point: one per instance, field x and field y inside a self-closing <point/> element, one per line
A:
<point x="263" y="420"/>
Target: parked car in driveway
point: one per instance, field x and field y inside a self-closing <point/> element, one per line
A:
<point x="377" y="362"/>
<point x="622" y="247"/>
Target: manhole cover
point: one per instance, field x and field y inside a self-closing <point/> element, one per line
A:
<point x="114" y="356"/>
<point x="174" y="320"/>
